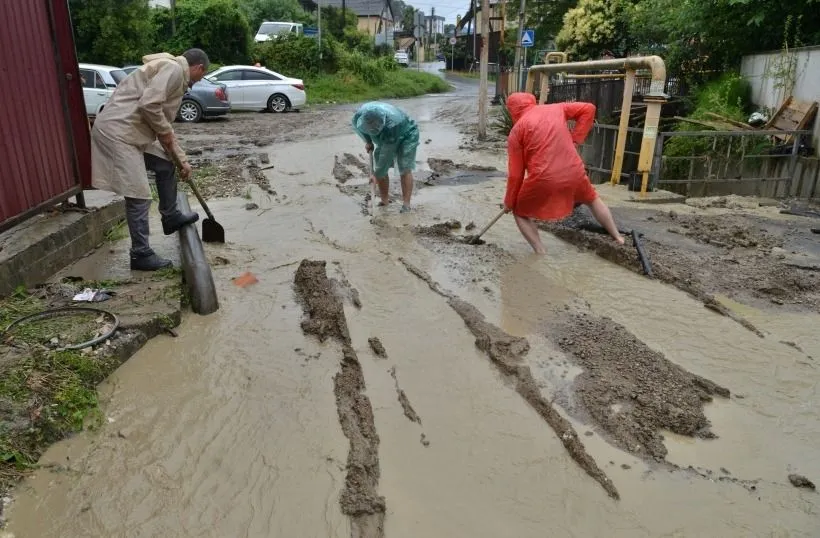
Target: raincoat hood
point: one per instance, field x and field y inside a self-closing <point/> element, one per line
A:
<point x="520" y="103"/>
<point x="372" y="121"/>
<point x="158" y="56"/>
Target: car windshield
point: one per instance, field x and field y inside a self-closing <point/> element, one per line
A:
<point x="268" y="28"/>
<point x="118" y="75"/>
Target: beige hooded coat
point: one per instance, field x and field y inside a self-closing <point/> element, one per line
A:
<point x="142" y="107"/>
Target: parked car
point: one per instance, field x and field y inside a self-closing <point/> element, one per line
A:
<point x="99" y="82"/>
<point x="258" y="88"/>
<point x="272" y="30"/>
<point x="205" y="99"/>
<point x="440" y="57"/>
<point x="402" y="58"/>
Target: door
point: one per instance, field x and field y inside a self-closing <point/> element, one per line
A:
<point x="258" y="87"/>
<point x="232" y="79"/>
<point x="95" y="91"/>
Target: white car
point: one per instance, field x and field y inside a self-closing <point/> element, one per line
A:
<point x="402" y="58"/>
<point x="99" y="82"/>
<point x="257" y="88"/>
<point x="272" y="30"/>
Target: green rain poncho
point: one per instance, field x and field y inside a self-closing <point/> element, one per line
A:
<point x="393" y="133"/>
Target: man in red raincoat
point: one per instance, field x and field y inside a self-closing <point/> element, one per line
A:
<point x="546" y="176"/>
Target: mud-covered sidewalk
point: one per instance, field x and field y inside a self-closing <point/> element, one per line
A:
<point x="384" y="378"/>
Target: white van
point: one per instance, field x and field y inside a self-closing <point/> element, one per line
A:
<point x="271" y="30"/>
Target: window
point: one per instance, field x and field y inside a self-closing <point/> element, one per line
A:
<point x="228" y="75"/>
<point x="98" y="81"/>
<point x="87" y="77"/>
<point x="258" y="75"/>
<point x="118" y="75"/>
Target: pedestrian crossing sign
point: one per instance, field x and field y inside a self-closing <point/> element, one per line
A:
<point x="528" y="38"/>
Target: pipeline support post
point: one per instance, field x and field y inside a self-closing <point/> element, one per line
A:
<point x="626" y="111"/>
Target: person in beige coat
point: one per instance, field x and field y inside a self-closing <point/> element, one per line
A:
<point x="134" y="134"/>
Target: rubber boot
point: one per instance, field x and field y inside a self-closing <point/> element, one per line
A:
<point x="174" y="222"/>
<point x="149" y="262"/>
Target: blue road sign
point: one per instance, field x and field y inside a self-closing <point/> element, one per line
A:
<point x="528" y="38"/>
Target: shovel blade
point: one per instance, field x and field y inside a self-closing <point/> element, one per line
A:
<point x="212" y="231"/>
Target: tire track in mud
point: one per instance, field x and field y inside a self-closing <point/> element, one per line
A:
<point x="325" y="319"/>
<point x="507" y="353"/>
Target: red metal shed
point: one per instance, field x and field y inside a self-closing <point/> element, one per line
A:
<point x="44" y="138"/>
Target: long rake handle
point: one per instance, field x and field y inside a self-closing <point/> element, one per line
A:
<point x="372" y="188"/>
<point x="489" y="224"/>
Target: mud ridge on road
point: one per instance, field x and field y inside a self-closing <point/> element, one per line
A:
<point x="752" y="259"/>
<point x="377" y="347"/>
<point x="626" y="257"/>
<point x="630" y="390"/>
<point x="326" y="319"/>
<point x="409" y="412"/>
<point x="507" y="353"/>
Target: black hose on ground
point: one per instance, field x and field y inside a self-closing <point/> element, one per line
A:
<point x="643" y="257"/>
<point x="69" y="311"/>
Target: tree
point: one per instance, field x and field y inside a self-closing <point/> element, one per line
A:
<point x="593" y="27"/>
<point x="545" y="17"/>
<point x="219" y="27"/>
<point x="333" y="24"/>
<point x="258" y="11"/>
<point x="408" y="19"/>
<point x="713" y="35"/>
<point x="112" y="32"/>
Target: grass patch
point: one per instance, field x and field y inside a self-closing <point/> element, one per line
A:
<point x="45" y="394"/>
<point x="349" y="88"/>
<point x="117" y="232"/>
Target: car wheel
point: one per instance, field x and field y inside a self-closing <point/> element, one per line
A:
<point x="278" y="103"/>
<point x="189" y="112"/>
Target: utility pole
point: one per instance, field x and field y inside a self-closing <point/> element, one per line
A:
<point x="518" y="47"/>
<point x="485" y="56"/>
<point x="475" y="27"/>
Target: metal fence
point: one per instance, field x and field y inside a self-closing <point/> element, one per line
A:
<point x="606" y="94"/>
<point x="710" y="163"/>
<point x="40" y="138"/>
<point x="706" y="163"/>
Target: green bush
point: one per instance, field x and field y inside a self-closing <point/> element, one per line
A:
<point x="219" y="27"/>
<point x="292" y="55"/>
<point x="111" y="32"/>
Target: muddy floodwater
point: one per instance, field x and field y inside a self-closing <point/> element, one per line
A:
<point x="415" y="386"/>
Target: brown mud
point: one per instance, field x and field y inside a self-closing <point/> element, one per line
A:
<point x="404" y="401"/>
<point x="326" y="319"/>
<point x="507" y="354"/>
<point x="630" y="390"/>
<point x="736" y="255"/>
<point x="377" y="347"/>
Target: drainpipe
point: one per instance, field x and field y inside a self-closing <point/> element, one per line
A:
<point x="654" y="100"/>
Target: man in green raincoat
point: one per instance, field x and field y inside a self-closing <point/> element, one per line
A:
<point x="393" y="137"/>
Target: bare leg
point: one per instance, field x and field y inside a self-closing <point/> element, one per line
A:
<point x="406" y="187"/>
<point x="602" y="214"/>
<point x="384" y="189"/>
<point x="530" y="232"/>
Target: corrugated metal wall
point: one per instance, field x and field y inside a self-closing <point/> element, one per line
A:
<point x="38" y="163"/>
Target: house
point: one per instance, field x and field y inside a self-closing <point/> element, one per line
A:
<point x="434" y="25"/>
<point x="159" y="3"/>
<point x="375" y="16"/>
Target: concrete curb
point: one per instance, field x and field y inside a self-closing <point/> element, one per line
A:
<point x="198" y="278"/>
<point x="38" y="248"/>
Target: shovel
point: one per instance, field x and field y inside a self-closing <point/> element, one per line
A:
<point x="212" y="231"/>
<point x="473" y="239"/>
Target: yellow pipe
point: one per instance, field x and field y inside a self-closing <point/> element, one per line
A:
<point x="654" y="99"/>
<point x="626" y="109"/>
